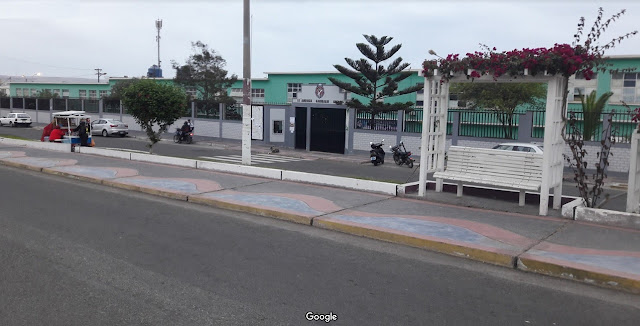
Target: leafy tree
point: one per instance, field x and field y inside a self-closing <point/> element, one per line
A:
<point x="373" y="80"/>
<point x="592" y="110"/>
<point x="117" y="91"/>
<point x="501" y="98"/>
<point x="154" y="105"/>
<point x="204" y="71"/>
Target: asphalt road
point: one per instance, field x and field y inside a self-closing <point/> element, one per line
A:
<point x="74" y="253"/>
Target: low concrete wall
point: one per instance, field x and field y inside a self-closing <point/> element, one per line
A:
<point x="104" y="152"/>
<point x="348" y="183"/>
<point x="185" y="162"/>
<point x="608" y="217"/>
<point x="241" y="169"/>
<point x="58" y="147"/>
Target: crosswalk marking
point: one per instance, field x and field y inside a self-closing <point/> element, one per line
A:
<point x="256" y="158"/>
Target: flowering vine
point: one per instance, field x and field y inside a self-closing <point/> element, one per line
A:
<point x="561" y="59"/>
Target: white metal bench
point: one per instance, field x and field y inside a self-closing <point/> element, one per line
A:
<point x="499" y="168"/>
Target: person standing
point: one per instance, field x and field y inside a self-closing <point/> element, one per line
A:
<point x="83" y="133"/>
<point x="46" y="131"/>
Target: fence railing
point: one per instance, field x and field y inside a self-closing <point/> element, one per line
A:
<point x="488" y="124"/>
<point x="469" y="123"/>
<point x="385" y="121"/>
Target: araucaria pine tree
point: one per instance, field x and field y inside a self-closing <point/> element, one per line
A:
<point x="374" y="81"/>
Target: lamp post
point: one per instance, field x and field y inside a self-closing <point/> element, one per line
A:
<point x="435" y="54"/>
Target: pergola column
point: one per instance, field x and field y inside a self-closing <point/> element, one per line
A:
<point x="434" y="130"/>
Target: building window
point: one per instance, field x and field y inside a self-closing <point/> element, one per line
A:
<point x="103" y="94"/>
<point x="93" y="94"/>
<point x="56" y="92"/>
<point x="34" y="92"/>
<point x="292" y="91"/>
<point x="65" y="93"/>
<point x="277" y="126"/>
<point x="19" y="92"/>
<point x="82" y="93"/>
<point x="257" y="92"/>
<point x="625" y="87"/>
<point x="577" y="92"/>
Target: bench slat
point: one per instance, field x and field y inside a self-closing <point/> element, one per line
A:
<point x="500" y="168"/>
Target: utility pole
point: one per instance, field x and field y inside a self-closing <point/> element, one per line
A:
<point x="99" y="73"/>
<point x="246" y="85"/>
<point x="158" y="27"/>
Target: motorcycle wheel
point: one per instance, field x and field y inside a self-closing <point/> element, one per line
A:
<point x="396" y="158"/>
<point x="176" y="138"/>
<point x="189" y="139"/>
<point x="375" y="162"/>
<point x="410" y="164"/>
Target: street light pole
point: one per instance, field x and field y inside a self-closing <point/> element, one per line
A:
<point x="246" y="85"/>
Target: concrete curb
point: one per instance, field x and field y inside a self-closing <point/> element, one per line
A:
<point x="495" y="258"/>
<point x="147" y="190"/>
<point x="21" y="165"/>
<point x="528" y="263"/>
<point x="261" y="211"/>
<point x="73" y="176"/>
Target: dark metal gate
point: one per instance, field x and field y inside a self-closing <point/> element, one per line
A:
<point x="328" y="130"/>
<point x="301" y="128"/>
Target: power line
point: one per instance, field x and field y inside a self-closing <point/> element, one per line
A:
<point x="42" y="64"/>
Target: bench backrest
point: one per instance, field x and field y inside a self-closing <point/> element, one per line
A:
<point x="495" y="163"/>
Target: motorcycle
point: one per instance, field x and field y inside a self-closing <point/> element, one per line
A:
<point x="377" y="153"/>
<point x="181" y="136"/>
<point x="401" y="156"/>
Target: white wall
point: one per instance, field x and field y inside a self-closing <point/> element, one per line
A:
<point x="232" y="130"/>
<point x="361" y="140"/>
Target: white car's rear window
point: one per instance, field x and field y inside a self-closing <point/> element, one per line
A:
<point x="23" y="116"/>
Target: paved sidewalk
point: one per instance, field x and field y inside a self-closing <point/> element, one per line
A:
<point x="600" y="255"/>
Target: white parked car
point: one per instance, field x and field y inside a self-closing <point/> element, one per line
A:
<point x="520" y="147"/>
<point x="108" y="127"/>
<point x="16" y="119"/>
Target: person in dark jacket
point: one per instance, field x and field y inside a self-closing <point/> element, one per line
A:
<point x="83" y="132"/>
<point x="184" y="131"/>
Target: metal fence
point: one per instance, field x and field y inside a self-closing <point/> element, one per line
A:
<point x="207" y="110"/>
<point x="413" y="121"/>
<point x="488" y="124"/>
<point x="384" y="121"/>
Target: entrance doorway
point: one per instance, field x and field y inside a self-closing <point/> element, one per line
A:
<point x="327" y="130"/>
<point x="301" y="128"/>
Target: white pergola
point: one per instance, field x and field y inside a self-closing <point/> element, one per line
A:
<point x="434" y="130"/>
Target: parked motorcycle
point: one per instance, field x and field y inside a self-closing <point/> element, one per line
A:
<point x="401" y="156"/>
<point x="181" y="136"/>
<point x="377" y="153"/>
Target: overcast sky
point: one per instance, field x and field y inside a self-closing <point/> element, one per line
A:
<point x="70" y="38"/>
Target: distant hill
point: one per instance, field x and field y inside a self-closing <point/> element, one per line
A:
<point x="52" y="80"/>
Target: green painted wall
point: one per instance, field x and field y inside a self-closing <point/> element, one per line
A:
<point x="74" y="89"/>
<point x="276" y="85"/>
